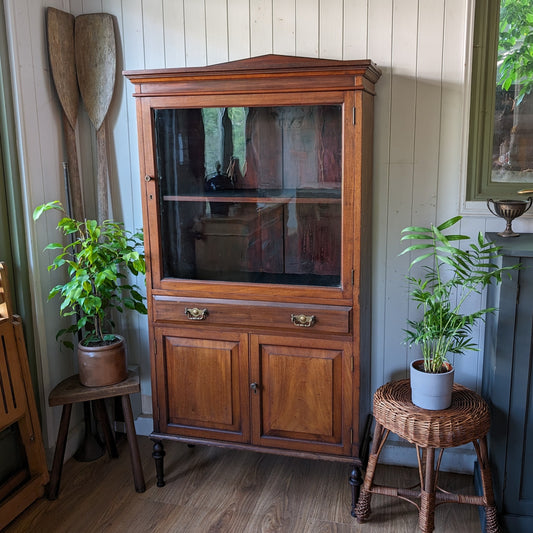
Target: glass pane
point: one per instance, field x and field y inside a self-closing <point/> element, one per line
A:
<point x="251" y="194"/>
<point x="512" y="147"/>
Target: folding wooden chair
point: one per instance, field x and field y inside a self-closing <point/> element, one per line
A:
<point x="17" y="408"/>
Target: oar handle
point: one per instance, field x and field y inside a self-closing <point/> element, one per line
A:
<point x="103" y="175"/>
<point x="74" y="181"/>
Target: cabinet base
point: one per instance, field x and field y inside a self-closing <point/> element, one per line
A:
<point x="355" y="479"/>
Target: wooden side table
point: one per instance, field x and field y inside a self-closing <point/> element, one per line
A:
<point x="71" y="391"/>
<point x="466" y="420"/>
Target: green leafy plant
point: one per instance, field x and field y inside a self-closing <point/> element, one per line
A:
<point x="96" y="259"/>
<point x="449" y="276"/>
<point x="515" y="49"/>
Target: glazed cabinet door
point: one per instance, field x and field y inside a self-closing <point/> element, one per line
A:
<point x="252" y="194"/>
<point x="301" y="393"/>
<point x="202" y="383"/>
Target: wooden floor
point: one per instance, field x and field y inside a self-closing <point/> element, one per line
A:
<point x="212" y="490"/>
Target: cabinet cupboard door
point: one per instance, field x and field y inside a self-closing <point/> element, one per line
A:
<point x="202" y="383"/>
<point x="302" y="398"/>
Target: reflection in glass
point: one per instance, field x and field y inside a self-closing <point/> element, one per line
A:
<point x="251" y="194"/>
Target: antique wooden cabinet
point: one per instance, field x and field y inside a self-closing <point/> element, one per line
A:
<point x="256" y="182"/>
<point x="508" y="384"/>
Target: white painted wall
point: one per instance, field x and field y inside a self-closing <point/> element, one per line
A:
<point x="422" y="47"/>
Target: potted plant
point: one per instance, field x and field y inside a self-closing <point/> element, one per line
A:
<point x="97" y="259"/>
<point x="449" y="276"/>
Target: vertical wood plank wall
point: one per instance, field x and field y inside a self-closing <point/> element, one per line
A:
<point x="422" y="47"/>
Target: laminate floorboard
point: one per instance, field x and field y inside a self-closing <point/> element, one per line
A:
<point x="217" y="490"/>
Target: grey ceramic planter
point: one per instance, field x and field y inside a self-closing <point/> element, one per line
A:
<point x="431" y="391"/>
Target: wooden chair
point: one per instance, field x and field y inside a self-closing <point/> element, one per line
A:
<point x="17" y="407"/>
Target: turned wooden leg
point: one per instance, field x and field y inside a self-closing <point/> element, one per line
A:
<point x="59" y="455"/>
<point x="355" y="480"/>
<point x="158" y="454"/>
<point x="138" y="476"/>
<point x="491" y="518"/>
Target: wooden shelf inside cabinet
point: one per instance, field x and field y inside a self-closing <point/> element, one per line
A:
<point x="262" y="197"/>
<point x="261" y="205"/>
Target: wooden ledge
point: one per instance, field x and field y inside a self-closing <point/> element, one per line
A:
<point x="70" y="390"/>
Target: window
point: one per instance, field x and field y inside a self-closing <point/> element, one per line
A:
<point x="500" y="156"/>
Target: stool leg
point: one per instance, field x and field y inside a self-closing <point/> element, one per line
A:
<point x="59" y="455"/>
<point x="136" y="466"/>
<point x="426" y="516"/>
<point x="362" y="511"/>
<point x="491" y="519"/>
<point x="100" y="414"/>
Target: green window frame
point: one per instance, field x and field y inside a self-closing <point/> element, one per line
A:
<point x="482" y="104"/>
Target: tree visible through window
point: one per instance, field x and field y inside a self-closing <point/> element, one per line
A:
<point x="513" y="118"/>
<point x="501" y="120"/>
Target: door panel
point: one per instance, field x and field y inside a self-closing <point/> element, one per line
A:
<point x="303" y="393"/>
<point x="518" y="494"/>
<point x="205" y="389"/>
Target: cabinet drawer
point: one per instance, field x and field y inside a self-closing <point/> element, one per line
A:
<point x="249" y="314"/>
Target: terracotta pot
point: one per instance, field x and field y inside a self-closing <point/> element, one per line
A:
<point x="102" y="365"/>
<point x="431" y="391"/>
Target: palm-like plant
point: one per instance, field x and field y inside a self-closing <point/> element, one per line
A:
<point x="449" y="277"/>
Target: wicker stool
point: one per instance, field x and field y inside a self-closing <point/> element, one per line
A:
<point x="467" y="420"/>
<point x="71" y="391"/>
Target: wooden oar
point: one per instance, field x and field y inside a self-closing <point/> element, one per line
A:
<point x="96" y="66"/>
<point x="60" y="29"/>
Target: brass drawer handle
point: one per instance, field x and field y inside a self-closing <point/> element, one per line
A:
<point x="304" y="321"/>
<point x="193" y="313"/>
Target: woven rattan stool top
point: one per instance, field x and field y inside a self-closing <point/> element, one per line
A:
<point x="465" y="420"/>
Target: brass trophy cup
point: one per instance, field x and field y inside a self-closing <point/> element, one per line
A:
<point x="509" y="210"/>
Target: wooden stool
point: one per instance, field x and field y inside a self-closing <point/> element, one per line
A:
<point x="467" y="420"/>
<point x="71" y="391"/>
